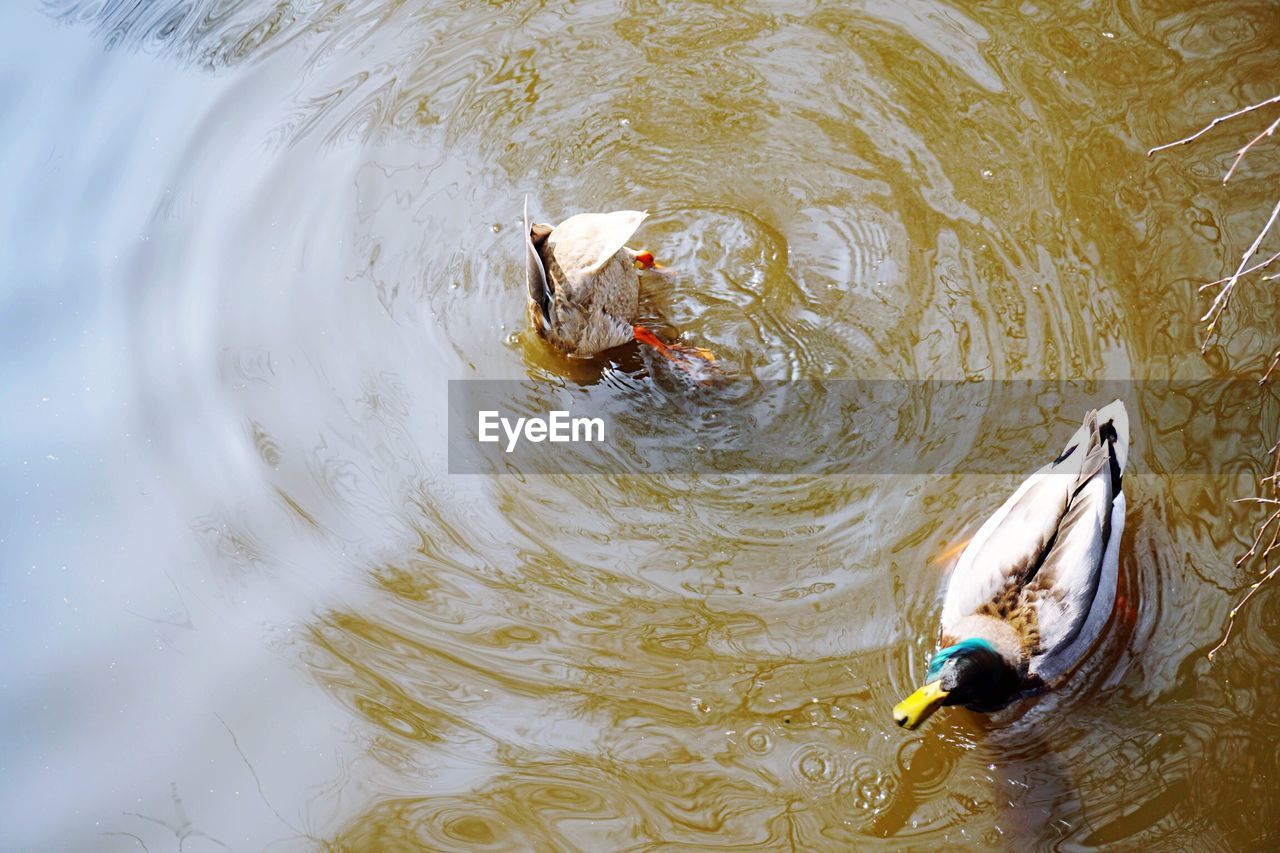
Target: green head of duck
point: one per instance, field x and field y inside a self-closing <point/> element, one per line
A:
<point x="970" y="673"/>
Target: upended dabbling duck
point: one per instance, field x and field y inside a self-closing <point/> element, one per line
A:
<point x="584" y="288"/>
<point x="1035" y="587"/>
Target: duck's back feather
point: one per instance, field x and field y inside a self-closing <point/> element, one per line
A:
<point x="1067" y="583"/>
<point x="1009" y="545"/>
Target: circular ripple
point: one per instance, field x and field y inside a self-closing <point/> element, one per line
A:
<point x="758" y="740"/>
<point x="813" y="764"/>
<point x="869" y="784"/>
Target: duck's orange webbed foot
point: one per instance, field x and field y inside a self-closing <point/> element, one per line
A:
<point x="697" y="363"/>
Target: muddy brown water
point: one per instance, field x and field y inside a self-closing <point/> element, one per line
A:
<point x="247" y="243"/>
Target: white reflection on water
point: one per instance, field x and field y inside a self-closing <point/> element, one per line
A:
<point x="128" y="665"/>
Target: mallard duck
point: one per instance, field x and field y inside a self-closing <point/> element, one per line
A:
<point x="1034" y="588"/>
<point x="584" y="286"/>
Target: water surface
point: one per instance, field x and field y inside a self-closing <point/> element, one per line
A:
<point x="248" y="243"/>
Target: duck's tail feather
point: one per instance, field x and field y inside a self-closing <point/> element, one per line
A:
<point x="1113" y="424"/>
<point x="534" y="275"/>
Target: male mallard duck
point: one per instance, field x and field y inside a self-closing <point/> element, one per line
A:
<point x="1034" y="588"/>
<point x="584" y="286"/>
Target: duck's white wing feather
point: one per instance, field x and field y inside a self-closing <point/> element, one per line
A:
<point x="1115" y="414"/>
<point x="1055" y="664"/>
<point x="1074" y="591"/>
<point x="584" y="243"/>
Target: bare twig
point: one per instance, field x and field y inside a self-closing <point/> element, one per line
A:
<point x="1271" y="524"/>
<point x="1253" y="549"/>
<point x="1240" y="154"/>
<point x="1231" y="618"/>
<point x="256" y="781"/>
<point x="1211" y="125"/>
<point x="136" y="838"/>
<point x="1220" y="302"/>
<point x="1259" y="266"/>
<point x="1275" y="359"/>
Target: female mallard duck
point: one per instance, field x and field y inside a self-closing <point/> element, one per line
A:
<point x="1035" y="586"/>
<point x="584" y="286"/>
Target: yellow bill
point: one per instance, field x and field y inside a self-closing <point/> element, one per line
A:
<point x="916" y="708"/>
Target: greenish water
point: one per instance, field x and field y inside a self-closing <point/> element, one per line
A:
<point x="246" y="245"/>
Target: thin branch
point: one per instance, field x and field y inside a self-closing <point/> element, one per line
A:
<point x="1272" y="522"/>
<point x="1240" y="154"/>
<point x="1262" y="530"/>
<point x="1220" y="302"/>
<point x="141" y="843"/>
<point x="1275" y="359"/>
<point x="1211" y="125"/>
<point x="1275" y="539"/>
<point x="1268" y="262"/>
<point x="1215" y="313"/>
<point x="256" y="781"/>
<point x="1231" y="617"/>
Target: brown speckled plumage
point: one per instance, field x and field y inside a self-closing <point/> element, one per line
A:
<point x="1016" y="605"/>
